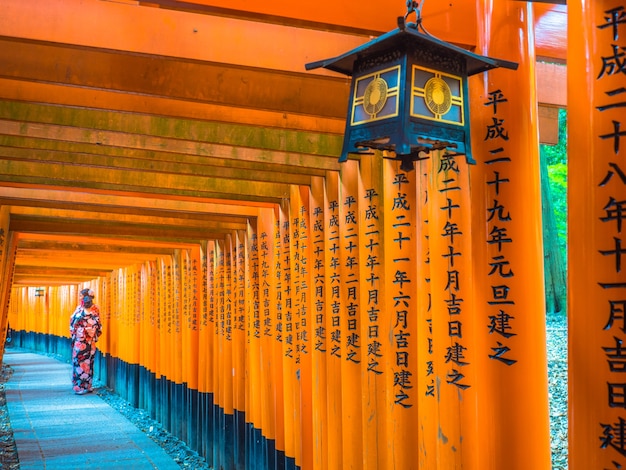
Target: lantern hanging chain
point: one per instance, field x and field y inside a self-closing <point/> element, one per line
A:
<point x="413" y="6"/>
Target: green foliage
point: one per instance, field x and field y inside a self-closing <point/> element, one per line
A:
<point x="556" y="158"/>
<point x="558" y="186"/>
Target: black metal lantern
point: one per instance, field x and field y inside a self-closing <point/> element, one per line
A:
<point x="409" y="93"/>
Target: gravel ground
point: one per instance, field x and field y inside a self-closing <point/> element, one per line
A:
<point x="8" y="453"/>
<point x="557" y="390"/>
<point x="186" y="458"/>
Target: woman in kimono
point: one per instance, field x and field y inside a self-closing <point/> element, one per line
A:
<point x="85" y="329"/>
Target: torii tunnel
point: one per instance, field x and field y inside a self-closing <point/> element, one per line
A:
<point x="275" y="308"/>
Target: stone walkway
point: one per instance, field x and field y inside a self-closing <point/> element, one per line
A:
<point x="56" y="429"/>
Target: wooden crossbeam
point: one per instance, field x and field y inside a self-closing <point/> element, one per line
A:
<point x="126" y="146"/>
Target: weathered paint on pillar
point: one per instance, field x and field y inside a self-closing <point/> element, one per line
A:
<point x="596" y="197"/>
<point x="512" y="403"/>
<point x="453" y="322"/>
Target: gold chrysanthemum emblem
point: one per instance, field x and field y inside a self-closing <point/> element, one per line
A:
<point x="438" y="96"/>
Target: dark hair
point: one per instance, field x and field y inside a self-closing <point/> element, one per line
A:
<point x="87" y="301"/>
<point x="87" y="292"/>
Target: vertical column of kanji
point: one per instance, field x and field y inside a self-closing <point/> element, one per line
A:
<point x="140" y="295"/>
<point x="206" y="344"/>
<point x="39" y="312"/>
<point x="145" y="361"/>
<point x="291" y="319"/>
<point x="194" y="299"/>
<point x="7" y="266"/>
<point x="185" y="317"/>
<point x="283" y="422"/>
<point x="115" y="326"/>
<point x="302" y="302"/>
<point x="374" y="337"/>
<point x="223" y="373"/>
<point x="426" y="384"/>
<point x="163" y="335"/>
<point x="185" y="353"/>
<point x="120" y="327"/>
<point x="228" y="398"/>
<point x="286" y="309"/>
<point x="134" y="340"/>
<point x="31" y="324"/>
<point x="254" y="407"/>
<point x="398" y="317"/>
<point x="318" y="327"/>
<point x="507" y="243"/>
<point x="129" y="308"/>
<point x="138" y="335"/>
<point x="104" y="296"/>
<point x="157" y="311"/>
<point x="597" y="204"/>
<point x="218" y="352"/>
<point x="203" y="338"/>
<point x="52" y="309"/>
<point x="239" y="345"/>
<point x="350" y="316"/>
<point x="178" y="308"/>
<point x="139" y="332"/>
<point x="212" y="413"/>
<point x="159" y="292"/>
<point x="333" y="322"/>
<point x="174" y="313"/>
<point x="267" y="298"/>
<point x="452" y="327"/>
<point x="152" y="347"/>
<point x="168" y="334"/>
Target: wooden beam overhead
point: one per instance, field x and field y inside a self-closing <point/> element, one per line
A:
<point x="129" y="131"/>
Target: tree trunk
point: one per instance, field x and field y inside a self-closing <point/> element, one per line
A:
<point x="554" y="269"/>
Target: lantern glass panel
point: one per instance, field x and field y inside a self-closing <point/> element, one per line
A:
<point x="376" y="96"/>
<point x="437" y="96"/>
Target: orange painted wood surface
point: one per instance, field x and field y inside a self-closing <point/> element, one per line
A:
<point x="596" y="278"/>
<point x="170" y="162"/>
<point x="507" y="246"/>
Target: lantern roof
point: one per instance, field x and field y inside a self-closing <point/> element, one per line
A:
<point x="407" y="37"/>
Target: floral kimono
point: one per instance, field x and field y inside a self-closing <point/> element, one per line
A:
<point x="85" y="329"/>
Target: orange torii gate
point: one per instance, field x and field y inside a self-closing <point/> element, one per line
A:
<point x="335" y="330"/>
<point x="596" y="98"/>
